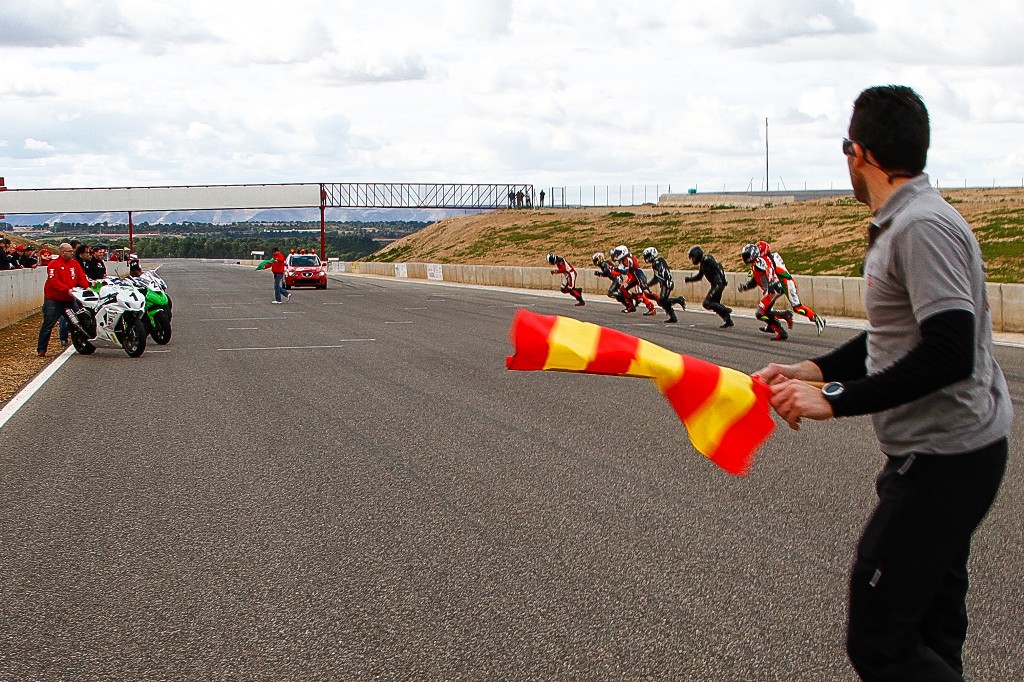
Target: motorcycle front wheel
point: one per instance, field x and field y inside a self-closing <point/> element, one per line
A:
<point x="161" y="330"/>
<point x="81" y="344"/>
<point x="133" y="338"/>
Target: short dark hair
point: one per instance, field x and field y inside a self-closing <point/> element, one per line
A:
<point x="891" y="122"/>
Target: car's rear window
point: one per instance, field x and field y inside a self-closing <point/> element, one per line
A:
<point x="305" y="261"/>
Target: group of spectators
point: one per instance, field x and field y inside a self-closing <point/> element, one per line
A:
<point x="25" y="256"/>
<point x="17" y="256"/>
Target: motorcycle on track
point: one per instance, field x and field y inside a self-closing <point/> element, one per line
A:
<point x="110" y="317"/>
<point x="158" y="306"/>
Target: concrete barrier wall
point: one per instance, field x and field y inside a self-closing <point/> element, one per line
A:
<point x="841" y="296"/>
<point x="21" y="294"/>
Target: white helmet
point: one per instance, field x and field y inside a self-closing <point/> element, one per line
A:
<point x="598" y="258"/>
<point x="650" y="253"/>
<point x="619" y="252"/>
<point x="552" y="258"/>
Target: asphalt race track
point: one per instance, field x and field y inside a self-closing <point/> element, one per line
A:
<point x="351" y="486"/>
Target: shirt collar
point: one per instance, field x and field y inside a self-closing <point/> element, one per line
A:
<point x="898" y="200"/>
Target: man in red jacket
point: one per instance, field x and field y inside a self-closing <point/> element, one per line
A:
<point x="62" y="275"/>
<point x="277" y="267"/>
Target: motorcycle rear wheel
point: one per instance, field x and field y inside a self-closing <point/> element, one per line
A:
<point x="133" y="338"/>
<point x="81" y="344"/>
<point x="161" y="330"/>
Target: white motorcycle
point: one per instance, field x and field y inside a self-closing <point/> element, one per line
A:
<point x="110" y="317"/>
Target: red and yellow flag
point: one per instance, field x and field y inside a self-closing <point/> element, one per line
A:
<point x="725" y="411"/>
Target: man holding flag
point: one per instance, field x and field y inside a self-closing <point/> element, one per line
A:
<point x="925" y="371"/>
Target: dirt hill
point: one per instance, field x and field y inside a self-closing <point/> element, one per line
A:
<point x="820" y="237"/>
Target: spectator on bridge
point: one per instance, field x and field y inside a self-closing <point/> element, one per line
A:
<point x="542" y="198"/>
<point x="277" y="267"/>
<point x="924" y="369"/>
<point x="511" y="198"/>
<point x="519" y="199"/>
<point x="62" y="275"/>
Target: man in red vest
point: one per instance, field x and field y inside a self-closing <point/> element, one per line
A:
<point x="62" y="275"/>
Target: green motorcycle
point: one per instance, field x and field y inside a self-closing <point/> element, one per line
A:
<point x="158" y="306"/>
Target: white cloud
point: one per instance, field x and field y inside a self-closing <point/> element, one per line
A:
<point x="38" y="145"/>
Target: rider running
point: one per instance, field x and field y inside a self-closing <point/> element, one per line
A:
<point x="634" y="285"/>
<point x="568" y="273"/>
<point x="710" y="268"/>
<point x="763" y="275"/>
<point x="663" y="276"/>
<point x="789" y="284"/>
<point x="605" y="269"/>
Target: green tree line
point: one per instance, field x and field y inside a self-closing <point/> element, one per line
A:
<point x="343" y="246"/>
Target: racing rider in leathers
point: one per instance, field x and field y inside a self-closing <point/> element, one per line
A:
<point x="605" y="269"/>
<point x="663" y="276"/>
<point x="789" y="284"/>
<point x="710" y="268"/>
<point x="568" y="273"/>
<point x="634" y="284"/>
<point x="763" y="276"/>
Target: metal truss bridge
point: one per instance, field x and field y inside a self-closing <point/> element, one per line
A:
<point x="322" y="195"/>
<point x="410" y="195"/>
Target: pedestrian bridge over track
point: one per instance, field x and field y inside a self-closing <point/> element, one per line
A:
<point x="265" y="196"/>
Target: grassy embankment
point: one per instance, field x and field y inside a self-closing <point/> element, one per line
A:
<point x="823" y="237"/>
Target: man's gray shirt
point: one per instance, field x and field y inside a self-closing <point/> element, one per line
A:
<point x="925" y="260"/>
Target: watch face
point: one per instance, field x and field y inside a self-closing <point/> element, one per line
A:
<point x="833" y="389"/>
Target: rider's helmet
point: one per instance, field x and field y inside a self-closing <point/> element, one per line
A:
<point x="552" y="258"/>
<point x="650" y="253"/>
<point x="598" y="258"/>
<point x="750" y="253"/>
<point x="619" y="252"/>
<point x="696" y="254"/>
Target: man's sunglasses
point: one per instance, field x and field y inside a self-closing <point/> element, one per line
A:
<point x="848" y="146"/>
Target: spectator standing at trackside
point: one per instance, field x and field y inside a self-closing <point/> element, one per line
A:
<point x="95" y="268"/>
<point x="924" y="369"/>
<point x="708" y="267"/>
<point x="28" y="257"/>
<point x="277" y="267"/>
<point x="82" y="254"/>
<point x="542" y="199"/>
<point x="8" y="258"/>
<point x="62" y="275"/>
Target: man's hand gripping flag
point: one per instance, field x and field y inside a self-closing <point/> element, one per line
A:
<point x="725" y="411"/>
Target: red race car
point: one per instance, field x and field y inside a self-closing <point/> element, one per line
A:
<point x="304" y="270"/>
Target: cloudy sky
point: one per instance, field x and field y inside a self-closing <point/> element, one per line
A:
<point x="99" y="93"/>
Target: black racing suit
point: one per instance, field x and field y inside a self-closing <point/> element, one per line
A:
<point x="715" y="274"/>
<point x="615" y="288"/>
<point x="663" y="276"/>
